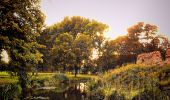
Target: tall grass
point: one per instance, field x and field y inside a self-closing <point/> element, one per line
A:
<point x="134" y="82"/>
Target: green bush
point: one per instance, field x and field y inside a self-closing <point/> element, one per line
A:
<point x="9" y="91"/>
<point x="92" y="85"/>
<point x="60" y="78"/>
<point x="151" y="94"/>
<point x="116" y="96"/>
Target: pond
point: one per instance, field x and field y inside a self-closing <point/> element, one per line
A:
<point x="73" y="91"/>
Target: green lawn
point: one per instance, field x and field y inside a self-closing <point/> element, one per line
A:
<point x="5" y="78"/>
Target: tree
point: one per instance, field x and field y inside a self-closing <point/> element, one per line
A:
<point x="108" y="57"/>
<point x="62" y="51"/>
<point x="140" y="38"/>
<point x="82" y="48"/>
<point x="73" y="26"/>
<point x="143" y="38"/>
<point x="20" y="25"/>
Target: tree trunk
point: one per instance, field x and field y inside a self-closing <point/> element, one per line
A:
<point x="23" y="80"/>
<point x="75" y="69"/>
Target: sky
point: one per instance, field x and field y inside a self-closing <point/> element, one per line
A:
<point x="117" y="14"/>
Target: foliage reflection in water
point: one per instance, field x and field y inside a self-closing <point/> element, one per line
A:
<point x="73" y="91"/>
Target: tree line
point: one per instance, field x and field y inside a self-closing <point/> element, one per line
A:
<point x="70" y="45"/>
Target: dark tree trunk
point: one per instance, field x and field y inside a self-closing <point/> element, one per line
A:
<point x="23" y="80"/>
<point x="75" y="69"/>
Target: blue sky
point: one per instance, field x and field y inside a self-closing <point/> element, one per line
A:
<point x="117" y="14"/>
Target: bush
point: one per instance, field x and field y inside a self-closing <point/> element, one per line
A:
<point x="60" y="78"/>
<point x="116" y="96"/>
<point x="148" y="94"/>
<point x="9" y="91"/>
<point x="92" y="85"/>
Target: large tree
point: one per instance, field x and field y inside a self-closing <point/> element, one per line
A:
<point x="82" y="48"/>
<point x="63" y="52"/>
<point x="73" y="26"/>
<point x="149" y="36"/>
<point x="21" y="22"/>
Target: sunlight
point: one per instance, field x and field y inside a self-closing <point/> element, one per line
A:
<point x="94" y="54"/>
<point x="4" y="55"/>
<point x="111" y="35"/>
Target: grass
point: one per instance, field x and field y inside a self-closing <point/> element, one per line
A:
<point x="5" y="77"/>
<point x="133" y="80"/>
<point x="81" y="77"/>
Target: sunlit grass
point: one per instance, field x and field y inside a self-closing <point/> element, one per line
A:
<point x="128" y="67"/>
<point x="4" y="73"/>
<point x="5" y="77"/>
<point x="81" y="76"/>
<point x="133" y="80"/>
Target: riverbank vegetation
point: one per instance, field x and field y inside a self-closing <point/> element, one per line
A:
<point x="133" y="82"/>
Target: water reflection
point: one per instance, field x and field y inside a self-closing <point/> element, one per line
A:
<point x="73" y="91"/>
<point x="82" y="87"/>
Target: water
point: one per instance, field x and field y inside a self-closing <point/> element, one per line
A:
<point x="76" y="91"/>
<point x="73" y="91"/>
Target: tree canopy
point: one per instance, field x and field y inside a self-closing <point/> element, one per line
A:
<point x="20" y="25"/>
<point x="77" y="29"/>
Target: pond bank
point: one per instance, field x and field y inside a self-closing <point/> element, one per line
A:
<point x="61" y="91"/>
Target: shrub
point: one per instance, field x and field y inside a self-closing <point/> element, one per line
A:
<point x="92" y="85"/>
<point x="60" y="78"/>
<point x="9" y="91"/>
<point x="151" y="94"/>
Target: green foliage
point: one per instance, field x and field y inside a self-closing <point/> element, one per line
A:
<point x="20" y="25"/>
<point x="82" y="47"/>
<point x="62" y="51"/>
<point x="10" y="91"/>
<point x="53" y="80"/>
<point x="72" y="33"/>
<point x="92" y="85"/>
<point x="148" y="94"/>
<point x="60" y="77"/>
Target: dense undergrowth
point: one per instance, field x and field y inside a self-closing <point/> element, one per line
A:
<point x="133" y="82"/>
